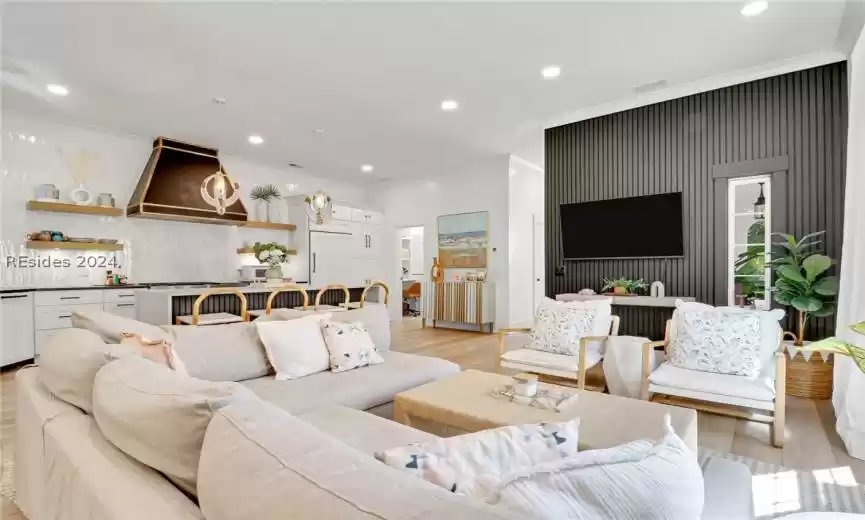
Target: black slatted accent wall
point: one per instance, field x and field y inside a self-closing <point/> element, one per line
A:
<point x="672" y="146"/>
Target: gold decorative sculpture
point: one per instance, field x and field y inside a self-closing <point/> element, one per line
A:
<point x="437" y="274"/>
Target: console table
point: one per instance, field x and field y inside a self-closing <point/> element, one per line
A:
<point x="633" y="301"/>
<point x="459" y="302"/>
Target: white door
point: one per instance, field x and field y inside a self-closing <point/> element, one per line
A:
<point x="538" y="264"/>
<point x="16" y="336"/>
<point x="329" y="258"/>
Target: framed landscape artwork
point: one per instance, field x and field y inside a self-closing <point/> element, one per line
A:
<point x="464" y="240"/>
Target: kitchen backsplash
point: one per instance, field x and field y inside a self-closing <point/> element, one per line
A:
<point x="36" y="151"/>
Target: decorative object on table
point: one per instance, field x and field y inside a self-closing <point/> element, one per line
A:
<point x="482" y="275"/>
<point x="272" y="254"/>
<point x="437" y="273"/>
<point x="81" y="240"/>
<point x="47" y="193"/>
<point x="471" y="277"/>
<point x="222" y="194"/>
<point x="463" y="240"/>
<point x="657" y="290"/>
<point x="265" y="194"/>
<point x="623" y="286"/>
<point x="587" y="292"/>
<point x="623" y="367"/>
<point x="526" y="385"/>
<point x="57" y="236"/>
<point x="319" y="207"/>
<point x="81" y="196"/>
<point x="105" y="200"/>
<point x="546" y="397"/>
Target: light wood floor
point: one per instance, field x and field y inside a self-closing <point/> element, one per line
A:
<point x="811" y="439"/>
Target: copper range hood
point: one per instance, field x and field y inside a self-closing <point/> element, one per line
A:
<point x="170" y="186"/>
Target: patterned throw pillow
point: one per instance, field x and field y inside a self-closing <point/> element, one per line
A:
<point x="559" y="327"/>
<point x="455" y="463"/>
<point x="717" y="340"/>
<point x="350" y="345"/>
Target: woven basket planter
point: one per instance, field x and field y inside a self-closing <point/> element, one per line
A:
<point x="811" y="379"/>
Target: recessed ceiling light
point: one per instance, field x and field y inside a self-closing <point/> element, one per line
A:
<point x="449" y="105"/>
<point x="255" y="139"/>
<point x="219" y="100"/>
<point x="551" y="71"/>
<point x="57" y="90"/>
<point x="366" y="168"/>
<point x="319" y="130"/>
<point x="755" y="8"/>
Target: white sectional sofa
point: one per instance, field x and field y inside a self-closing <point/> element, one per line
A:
<point x="299" y="449"/>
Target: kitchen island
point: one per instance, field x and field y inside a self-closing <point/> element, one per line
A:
<point x="160" y="306"/>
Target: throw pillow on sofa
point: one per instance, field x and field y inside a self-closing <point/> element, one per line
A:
<point x="640" y="479"/>
<point x="296" y="347"/>
<point x="455" y="463"/>
<point x="111" y="326"/>
<point x="724" y="340"/>
<point x="70" y="360"/>
<point x="350" y="346"/>
<point x="159" y="352"/>
<point x="228" y="352"/>
<point x="158" y="416"/>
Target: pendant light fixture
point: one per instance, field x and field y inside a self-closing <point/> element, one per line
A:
<point x="760" y="203"/>
<point x="318" y="207"/>
<point x="217" y="195"/>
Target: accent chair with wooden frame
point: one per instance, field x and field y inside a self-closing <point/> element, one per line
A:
<point x="723" y="394"/>
<point x="549" y="366"/>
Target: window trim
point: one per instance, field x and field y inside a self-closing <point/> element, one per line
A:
<point x="731" y="234"/>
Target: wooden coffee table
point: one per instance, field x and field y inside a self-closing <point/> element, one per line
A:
<point x="463" y="403"/>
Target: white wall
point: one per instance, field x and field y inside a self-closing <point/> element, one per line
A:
<point x="480" y="186"/>
<point x="154" y="250"/>
<point x="525" y="204"/>
<point x="849" y="382"/>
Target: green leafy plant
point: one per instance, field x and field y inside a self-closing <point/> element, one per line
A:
<point x="270" y="253"/>
<point x="750" y="266"/>
<point x="839" y="346"/>
<point x="265" y="193"/>
<point x="802" y="280"/>
<point x="630" y="286"/>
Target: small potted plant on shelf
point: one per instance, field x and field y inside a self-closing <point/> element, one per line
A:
<point x="273" y="255"/>
<point x="265" y="193"/>
<point x="623" y="286"/>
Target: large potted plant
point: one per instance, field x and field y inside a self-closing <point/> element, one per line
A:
<point x="839" y="346"/>
<point x="803" y="282"/>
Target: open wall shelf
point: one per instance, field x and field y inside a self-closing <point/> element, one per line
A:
<point x="85" y="246"/>
<point x="62" y="207"/>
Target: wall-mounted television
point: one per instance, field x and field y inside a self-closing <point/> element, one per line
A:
<point x="634" y="227"/>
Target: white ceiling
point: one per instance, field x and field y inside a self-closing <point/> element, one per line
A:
<point x="373" y="75"/>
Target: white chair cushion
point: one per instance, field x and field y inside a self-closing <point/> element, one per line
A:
<point x="548" y="363"/>
<point x="712" y="384"/>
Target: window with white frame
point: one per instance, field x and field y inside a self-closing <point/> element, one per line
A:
<point x="749" y="218"/>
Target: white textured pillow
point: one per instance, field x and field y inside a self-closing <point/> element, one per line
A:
<point x="455" y="463"/>
<point x="640" y="480"/>
<point x="296" y="347"/>
<point x="724" y="340"/>
<point x="558" y="327"/>
<point x="350" y="345"/>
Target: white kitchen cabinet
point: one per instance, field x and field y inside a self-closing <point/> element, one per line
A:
<point x="119" y="296"/>
<point x="16" y="336"/>
<point x="68" y="297"/>
<point x="366" y="216"/>
<point x="59" y="316"/>
<point x="125" y="309"/>
<point x="368" y="241"/>
<point x="339" y="212"/>
<point x="330" y="258"/>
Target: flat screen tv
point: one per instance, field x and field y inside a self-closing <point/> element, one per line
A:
<point x="633" y="227"/>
